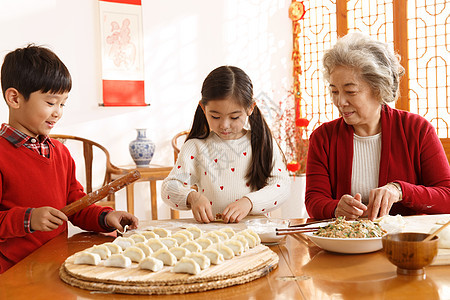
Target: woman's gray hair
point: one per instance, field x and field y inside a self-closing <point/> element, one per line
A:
<point x="378" y="63"/>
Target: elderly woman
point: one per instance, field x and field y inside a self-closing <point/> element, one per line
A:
<point x="373" y="160"/>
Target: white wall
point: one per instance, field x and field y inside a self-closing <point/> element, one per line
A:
<point x="184" y="41"/>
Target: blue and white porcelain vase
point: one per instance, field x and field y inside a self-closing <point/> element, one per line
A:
<point x="142" y="149"/>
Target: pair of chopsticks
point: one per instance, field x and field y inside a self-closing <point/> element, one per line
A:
<point x="285" y="231"/>
<point x="298" y="228"/>
<point x="313" y="222"/>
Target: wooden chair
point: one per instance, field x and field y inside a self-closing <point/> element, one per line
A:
<point x="88" y="153"/>
<point x="175" y="143"/>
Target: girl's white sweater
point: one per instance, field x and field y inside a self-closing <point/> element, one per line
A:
<point x="218" y="167"/>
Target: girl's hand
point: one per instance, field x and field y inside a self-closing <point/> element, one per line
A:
<point x="237" y="210"/>
<point x="381" y="200"/>
<point x="46" y="218"/>
<point x="201" y="207"/>
<point x="350" y="207"/>
<point x="118" y="219"/>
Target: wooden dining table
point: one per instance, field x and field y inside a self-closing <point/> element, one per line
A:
<point x="304" y="272"/>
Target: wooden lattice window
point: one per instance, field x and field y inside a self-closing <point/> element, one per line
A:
<point x="420" y="33"/>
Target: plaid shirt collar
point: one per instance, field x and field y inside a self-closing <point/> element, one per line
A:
<point x="18" y="138"/>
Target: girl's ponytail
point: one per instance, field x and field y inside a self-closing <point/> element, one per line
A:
<point x="200" y="128"/>
<point x="262" y="151"/>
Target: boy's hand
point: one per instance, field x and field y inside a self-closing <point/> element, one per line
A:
<point x="46" y="218"/>
<point x="237" y="210"/>
<point x="201" y="207"/>
<point x="118" y="219"/>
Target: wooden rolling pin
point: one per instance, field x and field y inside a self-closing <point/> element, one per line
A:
<point x="101" y="193"/>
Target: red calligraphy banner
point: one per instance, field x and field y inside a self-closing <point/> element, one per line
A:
<point x="122" y="53"/>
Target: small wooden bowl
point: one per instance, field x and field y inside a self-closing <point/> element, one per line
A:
<point x="408" y="252"/>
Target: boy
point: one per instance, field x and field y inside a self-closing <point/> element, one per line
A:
<point x="37" y="174"/>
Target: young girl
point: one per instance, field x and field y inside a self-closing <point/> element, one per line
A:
<point x="224" y="170"/>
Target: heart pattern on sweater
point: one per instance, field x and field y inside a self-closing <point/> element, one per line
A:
<point x="221" y="187"/>
<point x="232" y="169"/>
<point x="192" y="157"/>
<point x="215" y="160"/>
<point x="245" y="153"/>
<point x="278" y="185"/>
<point x="275" y="203"/>
<point x="179" y="167"/>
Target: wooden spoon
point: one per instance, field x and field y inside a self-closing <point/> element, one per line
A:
<point x="428" y="238"/>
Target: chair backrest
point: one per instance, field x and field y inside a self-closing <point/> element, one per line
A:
<point x="88" y="153"/>
<point x="176" y="143"/>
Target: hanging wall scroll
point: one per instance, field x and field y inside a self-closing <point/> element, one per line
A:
<point x="122" y="53"/>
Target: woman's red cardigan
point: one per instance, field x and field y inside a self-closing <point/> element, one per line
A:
<point x="411" y="154"/>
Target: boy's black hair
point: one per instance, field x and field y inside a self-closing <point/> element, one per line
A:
<point x="34" y="68"/>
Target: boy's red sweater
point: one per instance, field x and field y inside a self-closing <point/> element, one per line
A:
<point x="30" y="180"/>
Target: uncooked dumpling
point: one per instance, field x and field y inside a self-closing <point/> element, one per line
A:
<point x="224" y="250"/>
<point x="151" y="263"/>
<point x="124" y="242"/>
<point x="250" y="238"/>
<point x="87" y="258"/>
<point x="186" y="265"/>
<point x="138" y="238"/>
<point x="204" y="242"/>
<point x="187" y="233"/>
<point x="222" y="235"/>
<point x="242" y="240"/>
<point x="114" y="248"/>
<point x="235" y="245"/>
<point x="134" y="253"/>
<point x="192" y="246"/>
<point x="145" y="248"/>
<point x="165" y="256"/>
<point x="149" y="235"/>
<point x="201" y="259"/>
<point x="212" y="236"/>
<point x="195" y="231"/>
<point x="156" y="244"/>
<point x="254" y="234"/>
<point x="214" y="256"/>
<point x="102" y="250"/>
<point x="179" y="252"/>
<point x="229" y="231"/>
<point x="181" y="238"/>
<point x="161" y="232"/>
<point x="169" y="242"/>
<point x="118" y="261"/>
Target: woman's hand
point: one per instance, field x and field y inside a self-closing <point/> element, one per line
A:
<point x="237" y="210"/>
<point x="350" y="207"/>
<point x="118" y="220"/>
<point x="46" y="218"/>
<point x="201" y="207"/>
<point x="381" y="200"/>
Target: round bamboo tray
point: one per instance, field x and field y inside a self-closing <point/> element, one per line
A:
<point x="249" y="266"/>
